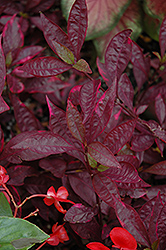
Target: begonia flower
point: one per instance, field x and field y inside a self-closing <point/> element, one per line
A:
<point x="123" y="239"/>
<point x="96" y="246"/>
<point x="58" y="235"/>
<point x="3" y="175"/>
<point x="54" y="197"/>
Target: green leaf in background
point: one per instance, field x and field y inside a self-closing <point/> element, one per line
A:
<point x="5" y="209"/>
<point x="131" y="19"/>
<point x="64" y="53"/>
<point x="92" y="161"/>
<point x="152" y="26"/>
<point x="102" y="168"/>
<point x="155" y="8"/>
<point x="17" y="233"/>
<point x="103" y="15"/>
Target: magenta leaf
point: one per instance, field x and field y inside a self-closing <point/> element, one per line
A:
<point x="88" y="97"/>
<point x="132" y="222"/>
<point x="2" y="68"/>
<point x="126" y="91"/>
<point x="3" y="105"/>
<point x="14" y="83"/>
<point x="118" y="54"/>
<point x="160" y="227"/>
<point x="119" y="136"/>
<point x="1" y="139"/>
<point x="103" y="155"/>
<point x="127" y="173"/>
<point x="53" y="33"/>
<point x="105" y="188"/>
<point x="78" y="213"/>
<point x="139" y="65"/>
<point x="74" y="122"/>
<point x="85" y="188"/>
<point x="158" y="168"/>
<point x="162" y="37"/>
<point x="26" y="120"/>
<point x="160" y="108"/>
<point x="45" y="66"/>
<point x="141" y="142"/>
<point x="12" y="37"/>
<point x="102" y="112"/>
<point x="77" y="26"/>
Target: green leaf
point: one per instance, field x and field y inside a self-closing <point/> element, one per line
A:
<point x="92" y="161"/>
<point x="82" y="66"/>
<point x="17" y="233"/>
<point x="155" y="244"/>
<point x="102" y="168"/>
<point x="64" y="53"/>
<point x="5" y="209"/>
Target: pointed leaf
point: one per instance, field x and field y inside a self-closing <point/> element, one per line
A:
<point x="2" y="69"/>
<point x="74" y="122"/>
<point x="5" y="209"/>
<point x="162" y="37"/>
<point x="14" y="83"/>
<point x="158" y="168"/>
<point x="160" y="108"/>
<point x="161" y="227"/>
<point x="132" y="222"/>
<point x="105" y="188"/>
<point x="119" y="136"/>
<point x="82" y="66"/>
<point x="45" y="66"/>
<point x="77" y="26"/>
<point x="88" y="97"/>
<point x="103" y="155"/>
<point x="63" y="52"/>
<point x="78" y="213"/>
<point x="3" y="105"/>
<point x="118" y="54"/>
<point x="19" y="233"/>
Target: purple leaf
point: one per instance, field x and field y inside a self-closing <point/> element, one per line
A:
<point x="161" y="227"/>
<point x="2" y="68"/>
<point x="45" y="66"/>
<point x="162" y="37"/>
<point x="157" y="130"/>
<point x="105" y="188"/>
<point x="126" y="91"/>
<point x="139" y="65"/>
<point x="158" y="168"/>
<point x="78" y="213"/>
<point x="77" y="26"/>
<point x="103" y="155"/>
<point x="119" y="136"/>
<point x="160" y="108"/>
<point x="12" y="37"/>
<point x="53" y="32"/>
<point x="88" y="97"/>
<point x="1" y="139"/>
<point x="141" y="142"/>
<point x="43" y="6"/>
<point x="27" y="53"/>
<point x="130" y="220"/>
<point x="102" y="113"/>
<point x="127" y="173"/>
<point x="118" y="54"/>
<point x="15" y="85"/>
<point x="18" y="173"/>
<point x="3" y="105"/>
<point x="56" y="166"/>
<point x="26" y="120"/>
<point x="81" y="184"/>
<point x="74" y="122"/>
<point x="132" y="159"/>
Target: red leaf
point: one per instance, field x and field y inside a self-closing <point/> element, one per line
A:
<point x="118" y="54"/>
<point x="45" y="66"/>
<point x="74" y="122"/>
<point x="14" y="83"/>
<point x="132" y="222"/>
<point x="26" y="120"/>
<point x="96" y="246"/>
<point x="119" y="136"/>
<point x="141" y="142"/>
<point x="77" y="26"/>
<point x="161" y="227"/>
<point x="3" y="105"/>
<point x="78" y="213"/>
<point x="88" y="96"/>
<point x="157" y="130"/>
<point x="160" y="108"/>
<point x="103" y="155"/>
<point x="162" y="37"/>
<point x="105" y="188"/>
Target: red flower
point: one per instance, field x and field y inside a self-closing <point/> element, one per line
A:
<point x="54" y="198"/>
<point x="3" y="175"/>
<point x="123" y="239"/>
<point x="58" y="235"/>
<point x="97" y="246"/>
